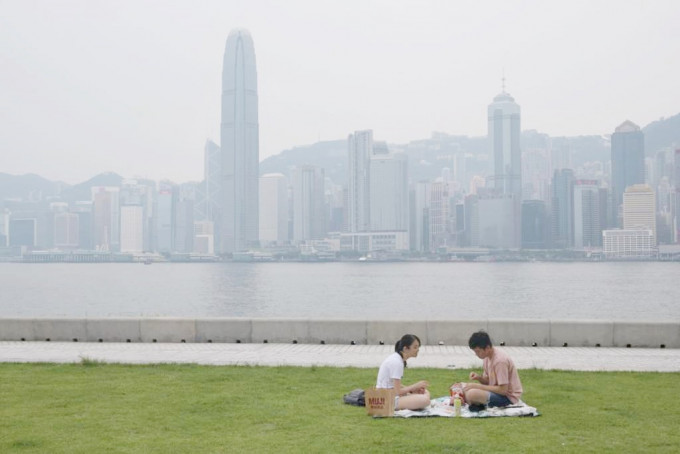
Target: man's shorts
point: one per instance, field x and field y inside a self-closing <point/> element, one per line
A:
<point x="497" y="400"/>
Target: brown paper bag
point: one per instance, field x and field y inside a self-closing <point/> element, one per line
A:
<point x="379" y="401"/>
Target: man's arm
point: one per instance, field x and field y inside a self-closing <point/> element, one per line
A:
<point x="498" y="389"/>
<point x="480" y="378"/>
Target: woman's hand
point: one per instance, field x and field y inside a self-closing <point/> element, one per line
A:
<point x="420" y="387"/>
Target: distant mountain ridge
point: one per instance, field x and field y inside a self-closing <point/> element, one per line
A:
<point x="426" y="157"/>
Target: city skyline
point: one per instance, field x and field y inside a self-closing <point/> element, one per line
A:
<point x="105" y="90"/>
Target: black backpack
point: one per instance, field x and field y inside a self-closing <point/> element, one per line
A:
<point x="355" y="397"/>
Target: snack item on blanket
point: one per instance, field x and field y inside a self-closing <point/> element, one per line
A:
<point x="456" y="391"/>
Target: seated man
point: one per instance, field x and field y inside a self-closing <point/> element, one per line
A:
<point x="499" y="385"/>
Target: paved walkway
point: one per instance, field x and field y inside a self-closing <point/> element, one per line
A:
<point x="565" y="358"/>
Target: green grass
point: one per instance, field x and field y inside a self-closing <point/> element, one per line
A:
<point x="98" y="408"/>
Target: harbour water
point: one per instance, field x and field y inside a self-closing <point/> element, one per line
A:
<point x="339" y="290"/>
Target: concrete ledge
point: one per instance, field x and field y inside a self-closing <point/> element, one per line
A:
<point x="542" y="333"/>
<point x="63" y="330"/>
<point x="224" y="330"/>
<point x="520" y="332"/>
<point x="283" y="331"/>
<point x="389" y="332"/>
<point x="585" y="333"/>
<point x="113" y="330"/>
<point x="650" y="334"/>
<point x="453" y="332"/>
<point x="14" y="329"/>
<point x="167" y="330"/>
<point x="337" y="332"/>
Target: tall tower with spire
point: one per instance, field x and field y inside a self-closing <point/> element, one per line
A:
<point x="504" y="141"/>
<point x="238" y="227"/>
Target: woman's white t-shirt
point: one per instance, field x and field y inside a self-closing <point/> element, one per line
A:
<point x="391" y="368"/>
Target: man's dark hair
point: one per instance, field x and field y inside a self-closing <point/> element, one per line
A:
<point x="480" y="339"/>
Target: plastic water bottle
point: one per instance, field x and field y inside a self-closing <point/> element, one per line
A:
<point x="456" y="405"/>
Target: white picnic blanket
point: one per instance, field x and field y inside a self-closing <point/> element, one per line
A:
<point x="441" y="407"/>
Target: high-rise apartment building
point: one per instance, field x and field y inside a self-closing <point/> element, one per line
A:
<point x="131" y="228"/>
<point x="66" y="231"/>
<point x="639" y="209"/>
<point x="389" y="192"/>
<point x="359" y="151"/>
<point x="440" y="234"/>
<point x="587" y="228"/>
<point x="164" y="216"/>
<point x="628" y="163"/>
<point x="106" y="217"/>
<point x="420" y="214"/>
<point x="499" y="221"/>
<point x="535" y="224"/>
<point x="273" y="209"/>
<point x="208" y="194"/>
<point x="504" y="140"/>
<point x="309" y="219"/>
<point x="562" y="209"/>
<point x="238" y="227"/>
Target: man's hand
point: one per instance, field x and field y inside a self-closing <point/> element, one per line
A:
<point x="475" y="376"/>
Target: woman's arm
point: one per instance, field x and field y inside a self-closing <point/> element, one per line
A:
<point x="418" y="388"/>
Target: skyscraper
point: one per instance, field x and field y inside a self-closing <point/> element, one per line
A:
<point x="639" y="209"/>
<point x="628" y="163"/>
<point x="587" y="228"/>
<point x="273" y="209"/>
<point x="238" y="227"/>
<point x="563" y="209"/>
<point x="309" y="219"/>
<point x="504" y="140"/>
<point x="389" y="192"/>
<point x="360" y="149"/>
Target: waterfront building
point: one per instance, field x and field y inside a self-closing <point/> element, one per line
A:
<point x="628" y="164"/>
<point x="309" y="220"/>
<point x="587" y="229"/>
<point x="420" y="217"/>
<point x="131" y="228"/>
<point x="442" y="227"/>
<point x="183" y="231"/>
<point x="83" y="209"/>
<point x="238" y="227"/>
<point x="4" y="227"/>
<point x="676" y="169"/>
<point x="628" y="244"/>
<point x="562" y="209"/>
<point x="504" y="139"/>
<point x="164" y="215"/>
<point x="140" y="193"/>
<point x="66" y="231"/>
<point x="364" y="242"/>
<point x="359" y="151"/>
<point x="639" y="209"/>
<point x="499" y="221"/>
<point x="535" y="224"/>
<point x="389" y="192"/>
<point x="204" y="237"/>
<point x="106" y="218"/>
<point x="207" y="206"/>
<point x="471" y="235"/>
<point x="273" y="209"/>
<point x="23" y="231"/>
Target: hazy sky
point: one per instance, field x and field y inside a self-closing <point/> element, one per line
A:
<point x="134" y="86"/>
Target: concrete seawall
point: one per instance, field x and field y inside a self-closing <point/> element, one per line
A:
<point x="541" y="333"/>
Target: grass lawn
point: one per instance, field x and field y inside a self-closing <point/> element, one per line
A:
<point x="100" y="408"/>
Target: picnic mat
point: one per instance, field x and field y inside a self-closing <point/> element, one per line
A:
<point x="440" y="407"/>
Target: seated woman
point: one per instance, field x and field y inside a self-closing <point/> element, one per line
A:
<point x="413" y="397"/>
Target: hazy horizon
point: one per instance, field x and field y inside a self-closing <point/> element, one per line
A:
<point x="134" y="87"/>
